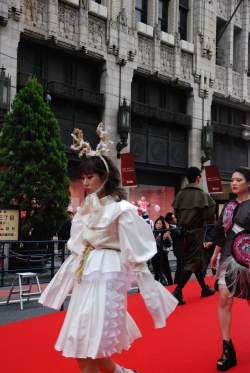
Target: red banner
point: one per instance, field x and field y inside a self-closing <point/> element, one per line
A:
<point x="128" y="170"/>
<point x="213" y="179"/>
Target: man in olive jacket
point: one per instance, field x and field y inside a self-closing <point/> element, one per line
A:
<point x="192" y="207"/>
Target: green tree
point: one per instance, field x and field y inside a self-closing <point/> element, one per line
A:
<point x="36" y="165"/>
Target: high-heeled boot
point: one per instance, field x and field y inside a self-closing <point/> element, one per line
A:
<point x="228" y="358"/>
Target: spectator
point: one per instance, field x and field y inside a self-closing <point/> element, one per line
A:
<point x="147" y="220"/>
<point x="177" y="244"/>
<point x="64" y="233"/>
<point x="192" y="207"/>
<point x="156" y="260"/>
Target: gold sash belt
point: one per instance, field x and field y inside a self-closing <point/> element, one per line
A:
<point x="84" y="258"/>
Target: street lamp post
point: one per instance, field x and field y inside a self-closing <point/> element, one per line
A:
<point x="207" y="143"/>
<point x="123" y="126"/>
<point x="4" y="94"/>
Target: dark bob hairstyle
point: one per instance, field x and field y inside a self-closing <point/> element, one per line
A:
<point x="95" y="164"/>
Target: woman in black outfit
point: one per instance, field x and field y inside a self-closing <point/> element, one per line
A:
<point x="159" y="225"/>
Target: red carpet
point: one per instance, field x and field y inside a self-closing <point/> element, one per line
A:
<point x="191" y="341"/>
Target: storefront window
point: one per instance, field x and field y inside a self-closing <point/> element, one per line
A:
<point x="77" y="193"/>
<point x="156" y="200"/>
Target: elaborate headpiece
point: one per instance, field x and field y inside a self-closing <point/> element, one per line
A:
<point x="84" y="148"/>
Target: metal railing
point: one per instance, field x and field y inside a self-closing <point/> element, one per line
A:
<point x="43" y="257"/>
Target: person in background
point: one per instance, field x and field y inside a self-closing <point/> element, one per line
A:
<point x="233" y="275"/>
<point x="156" y="260"/>
<point x="64" y="233"/>
<point x="192" y="207"/>
<point x="177" y="244"/>
<point x="208" y="246"/>
<point x="147" y="220"/>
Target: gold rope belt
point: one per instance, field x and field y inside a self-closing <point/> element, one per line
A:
<point x="83" y="261"/>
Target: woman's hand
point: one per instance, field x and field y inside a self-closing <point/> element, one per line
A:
<point x="166" y="235"/>
<point x="207" y="245"/>
<point x="213" y="260"/>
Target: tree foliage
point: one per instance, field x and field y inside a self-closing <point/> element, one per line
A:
<point x="35" y="171"/>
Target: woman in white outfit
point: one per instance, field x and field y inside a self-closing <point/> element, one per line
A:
<point x="110" y="246"/>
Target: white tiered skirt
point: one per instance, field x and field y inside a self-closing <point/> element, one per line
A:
<point x="97" y="323"/>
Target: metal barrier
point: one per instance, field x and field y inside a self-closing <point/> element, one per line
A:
<point x="43" y="257"/>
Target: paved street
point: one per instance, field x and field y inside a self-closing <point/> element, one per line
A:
<point x="12" y="312"/>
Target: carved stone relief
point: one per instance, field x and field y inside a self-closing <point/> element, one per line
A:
<point x="222" y="7"/>
<point x="34" y="13"/>
<point x="28" y="11"/>
<point x="158" y="151"/>
<point x="96" y="29"/>
<point x="13" y="9"/>
<point x="66" y="22"/>
<point x="248" y="87"/>
<point x="112" y="41"/>
<point x="236" y="83"/>
<point x="166" y="57"/>
<point x="144" y="51"/>
<point x="177" y="154"/>
<point x="137" y="147"/>
<point x="220" y="76"/>
<point x="238" y="14"/>
<point x="186" y="65"/>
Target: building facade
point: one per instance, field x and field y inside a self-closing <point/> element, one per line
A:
<point x="180" y="64"/>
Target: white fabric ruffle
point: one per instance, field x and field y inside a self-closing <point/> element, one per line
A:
<point x="97" y="323"/>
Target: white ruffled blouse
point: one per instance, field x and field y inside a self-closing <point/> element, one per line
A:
<point x="107" y="224"/>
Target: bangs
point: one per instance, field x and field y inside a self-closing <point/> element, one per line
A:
<point x="92" y="165"/>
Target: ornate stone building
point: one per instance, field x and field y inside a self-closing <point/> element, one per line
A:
<point x="178" y="63"/>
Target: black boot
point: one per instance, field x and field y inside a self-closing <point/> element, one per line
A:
<point x="179" y="297"/>
<point x="206" y="290"/>
<point x="177" y="293"/>
<point x="228" y="358"/>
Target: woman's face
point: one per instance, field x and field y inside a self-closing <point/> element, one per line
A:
<point x="239" y="185"/>
<point x="91" y="182"/>
<point x="158" y="224"/>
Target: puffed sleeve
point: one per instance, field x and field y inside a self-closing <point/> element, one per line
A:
<point x="75" y="242"/>
<point x="136" y="239"/>
<point x="138" y="245"/>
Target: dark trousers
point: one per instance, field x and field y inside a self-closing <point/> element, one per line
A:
<point x="185" y="276"/>
<point x="179" y="267"/>
<point x="156" y="263"/>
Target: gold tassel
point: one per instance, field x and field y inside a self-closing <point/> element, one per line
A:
<point x="83" y="261"/>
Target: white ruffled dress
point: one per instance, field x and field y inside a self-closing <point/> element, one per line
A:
<point x="97" y="323"/>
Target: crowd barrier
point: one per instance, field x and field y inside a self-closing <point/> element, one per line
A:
<point x="42" y="257"/>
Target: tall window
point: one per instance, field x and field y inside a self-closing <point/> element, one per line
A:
<point x="141" y="11"/>
<point x="163" y="15"/>
<point x="182" y="24"/>
<point x="227" y="115"/>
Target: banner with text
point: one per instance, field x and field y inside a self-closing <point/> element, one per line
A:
<point x="128" y="170"/>
<point x="213" y="179"/>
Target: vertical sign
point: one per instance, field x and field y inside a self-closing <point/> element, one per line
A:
<point x="128" y="170"/>
<point x="9" y="223"/>
<point x="213" y="179"/>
